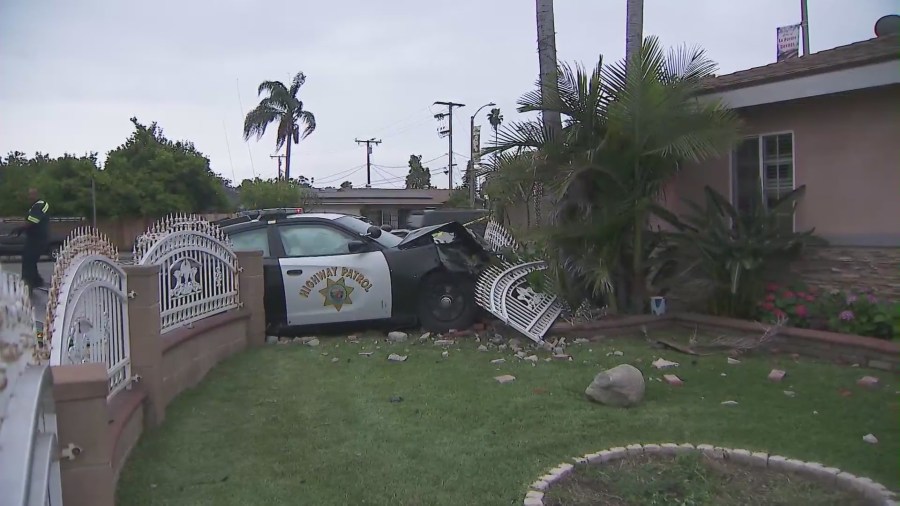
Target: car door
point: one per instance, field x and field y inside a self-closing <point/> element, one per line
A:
<point x="324" y="282"/>
<point x="259" y="237"/>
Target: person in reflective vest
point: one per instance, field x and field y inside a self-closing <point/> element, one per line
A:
<point x="36" y="230"/>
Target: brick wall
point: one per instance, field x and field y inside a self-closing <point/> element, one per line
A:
<point x="846" y="267"/>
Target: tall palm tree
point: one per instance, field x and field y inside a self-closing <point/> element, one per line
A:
<point x="281" y="105"/>
<point x="552" y="121"/>
<point x="634" y="28"/>
<point x="623" y="139"/>
<point x="495" y="118"/>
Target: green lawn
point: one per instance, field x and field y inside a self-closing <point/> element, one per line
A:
<point x="285" y="425"/>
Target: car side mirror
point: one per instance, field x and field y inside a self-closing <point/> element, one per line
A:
<point x="358" y="247"/>
<point x="373" y="232"/>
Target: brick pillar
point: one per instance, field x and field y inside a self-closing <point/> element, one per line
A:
<point x="251" y="295"/>
<point x="82" y="420"/>
<point x="146" y="344"/>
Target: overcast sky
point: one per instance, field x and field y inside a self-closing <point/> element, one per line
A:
<point x="72" y="72"/>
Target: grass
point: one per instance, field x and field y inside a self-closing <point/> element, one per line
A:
<point x="690" y="480"/>
<point x="286" y="425"/>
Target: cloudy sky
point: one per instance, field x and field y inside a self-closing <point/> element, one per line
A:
<point x="72" y="72"/>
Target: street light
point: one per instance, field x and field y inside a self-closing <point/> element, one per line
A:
<point x="471" y="171"/>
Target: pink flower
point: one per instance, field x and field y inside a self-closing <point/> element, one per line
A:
<point x="802" y="295"/>
<point x="778" y="313"/>
<point x="772" y="287"/>
<point x="810" y="298"/>
<point x="846" y="315"/>
<point x="801" y="311"/>
<point x="788" y="294"/>
<point x="768" y="306"/>
<point x="770" y="297"/>
<point x="851" y="299"/>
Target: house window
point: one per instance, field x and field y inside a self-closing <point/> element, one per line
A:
<point x="763" y="171"/>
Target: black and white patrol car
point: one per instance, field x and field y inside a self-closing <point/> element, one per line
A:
<point x="334" y="270"/>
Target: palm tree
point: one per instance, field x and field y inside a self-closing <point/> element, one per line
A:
<point x="552" y="121"/>
<point x="281" y="106"/>
<point x="634" y="28"/>
<point x="623" y="139"/>
<point x="495" y="118"/>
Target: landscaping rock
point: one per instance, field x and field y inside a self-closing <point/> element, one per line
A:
<point x="397" y="337"/>
<point x="871" y="439"/>
<point x="520" y="354"/>
<point x="393" y="357"/>
<point x="776" y="375"/>
<point x="673" y="380"/>
<point x="514" y="342"/>
<point x="482" y="348"/>
<point x="662" y="363"/>
<point x="506" y="378"/>
<point x="497" y="339"/>
<point x="498" y="361"/>
<point x="868" y="382"/>
<point x="733" y="361"/>
<point x="621" y="386"/>
<point x="313" y="342"/>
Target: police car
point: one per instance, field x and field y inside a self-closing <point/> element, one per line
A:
<point x="337" y="270"/>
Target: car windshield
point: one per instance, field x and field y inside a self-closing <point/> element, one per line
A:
<point x="360" y="227"/>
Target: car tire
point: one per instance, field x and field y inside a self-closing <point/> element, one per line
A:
<point x="446" y="302"/>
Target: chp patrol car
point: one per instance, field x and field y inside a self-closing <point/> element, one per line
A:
<point x="335" y="270"/>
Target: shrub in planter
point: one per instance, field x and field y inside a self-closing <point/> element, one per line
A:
<point x="859" y="313"/>
<point x="798" y="303"/>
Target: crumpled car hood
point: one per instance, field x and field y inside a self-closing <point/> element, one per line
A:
<point x="458" y="249"/>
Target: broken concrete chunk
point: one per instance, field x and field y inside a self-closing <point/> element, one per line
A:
<point x="312" y="342"/>
<point x="393" y="357"/>
<point x="662" y="363"/>
<point x="531" y="358"/>
<point x="776" y="375"/>
<point x="790" y="393"/>
<point x="562" y="356"/>
<point x="621" y="386"/>
<point x="582" y="340"/>
<point x="445" y="354"/>
<point x="397" y="336"/>
<point x="729" y="403"/>
<point x="868" y="382"/>
<point x="498" y="361"/>
<point x="615" y="354"/>
<point x="673" y="380"/>
<point x="444" y="342"/>
<point x="482" y="348"/>
<point x="335" y="359"/>
<point x="520" y="354"/>
<point x="506" y="378"/>
<point x="871" y="439"/>
<point x="733" y="361"/>
<point x="366" y="353"/>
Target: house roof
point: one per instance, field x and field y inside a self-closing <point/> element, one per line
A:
<point x="866" y="52"/>
<point x="384" y="196"/>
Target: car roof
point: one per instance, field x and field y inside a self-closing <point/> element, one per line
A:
<point x="321" y="216"/>
<point x="249" y="224"/>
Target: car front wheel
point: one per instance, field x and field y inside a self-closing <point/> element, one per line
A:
<point x="446" y="302"/>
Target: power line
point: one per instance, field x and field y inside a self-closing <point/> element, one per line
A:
<point x="407" y="165"/>
<point x="342" y="174"/>
<point x="368" y="144"/>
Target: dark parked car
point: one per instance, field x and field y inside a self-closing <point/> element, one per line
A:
<point x="337" y="270"/>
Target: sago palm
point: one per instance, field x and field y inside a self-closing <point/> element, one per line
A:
<point x="281" y="106"/>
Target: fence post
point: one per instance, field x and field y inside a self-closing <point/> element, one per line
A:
<point x="251" y="295"/>
<point x="82" y="420"/>
<point x="144" y="336"/>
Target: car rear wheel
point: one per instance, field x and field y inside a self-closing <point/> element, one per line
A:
<point x="446" y="302"/>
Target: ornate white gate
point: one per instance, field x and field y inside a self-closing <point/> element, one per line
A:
<point x="87" y="313"/>
<point x="29" y="465"/>
<point x="198" y="269"/>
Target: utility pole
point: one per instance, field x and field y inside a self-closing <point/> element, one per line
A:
<point x="279" y="157"/>
<point x="449" y="133"/>
<point x="804" y="25"/>
<point x="368" y="144"/>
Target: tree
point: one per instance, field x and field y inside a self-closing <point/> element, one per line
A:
<point x="495" y="118"/>
<point x="419" y="177"/>
<point x="346" y="184"/>
<point x="552" y="120"/>
<point x="273" y="193"/>
<point x="634" y="28"/>
<point x="625" y="138"/>
<point x="281" y="106"/>
<point x="459" y="198"/>
<point x="150" y="175"/>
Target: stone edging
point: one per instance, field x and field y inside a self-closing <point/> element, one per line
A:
<point x="829" y="475"/>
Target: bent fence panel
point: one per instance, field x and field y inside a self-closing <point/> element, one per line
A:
<point x="503" y="291"/>
<point x="87" y="310"/>
<point x="198" y="274"/>
<point x="29" y="465"/>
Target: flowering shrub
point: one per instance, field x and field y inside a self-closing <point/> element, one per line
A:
<point x="853" y="312"/>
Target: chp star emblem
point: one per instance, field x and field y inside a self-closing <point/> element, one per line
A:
<point x="336" y="293"/>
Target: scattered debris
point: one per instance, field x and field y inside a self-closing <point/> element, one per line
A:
<point x="396" y="399"/>
<point x="790" y="393"/>
<point x="562" y="356"/>
<point x="729" y="403"/>
<point x="621" y="386"/>
<point x="335" y="359"/>
<point x="723" y="374"/>
<point x="616" y="353"/>
<point x="424" y="337"/>
<point x="482" y="348"/>
<point x="871" y="439"/>
<point x="324" y="353"/>
<point x="444" y="342"/>
<point x="673" y="380"/>
<point x="776" y="375"/>
<point x="498" y="361"/>
<point x="445" y="354"/>
<point x="313" y="342"/>
<point x="506" y="378"/>
<point x="353" y="339"/>
<point x="502" y="347"/>
<point x="271" y="339"/>
<point x="559" y="350"/>
<point x="539" y="391"/>
<point x="397" y="336"/>
<point x="520" y="354"/>
<point x="393" y="357"/>
<point x="662" y="363"/>
<point x="868" y="382"/>
<point x="366" y="353"/>
<point x="497" y="339"/>
<point x="733" y="361"/>
<point x="531" y="358"/>
<point x="582" y="340"/>
<point x="677" y="347"/>
<point x="844" y="392"/>
<point x="815" y="412"/>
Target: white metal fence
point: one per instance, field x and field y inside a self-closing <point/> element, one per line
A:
<point x="29" y="453"/>
<point x="198" y="274"/>
<point x="87" y="310"/>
